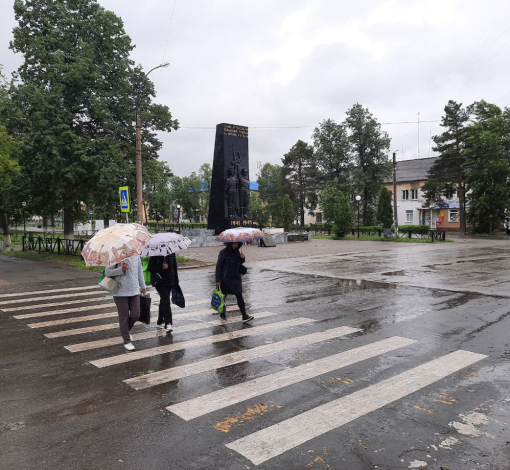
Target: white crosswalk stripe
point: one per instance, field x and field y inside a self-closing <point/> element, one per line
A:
<point x="67" y="289"/>
<point x="279" y="438"/>
<point x="66" y="321"/>
<point x="155" y="333"/>
<point x="54" y="304"/>
<point x="51" y="297"/>
<point x="244" y="391"/>
<point x="256" y="330"/>
<point x="167" y="375"/>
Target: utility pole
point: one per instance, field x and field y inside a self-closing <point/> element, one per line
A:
<point x="139" y="188"/>
<point x="395" y="213"/>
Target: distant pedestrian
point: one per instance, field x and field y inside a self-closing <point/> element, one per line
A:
<point x="164" y="277"/>
<point x="127" y="298"/>
<point x="228" y="277"/>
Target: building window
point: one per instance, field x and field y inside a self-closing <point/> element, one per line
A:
<point x="318" y="217"/>
<point x="453" y="215"/>
<point x="405" y="194"/>
<point x="409" y="216"/>
<point x="414" y="194"/>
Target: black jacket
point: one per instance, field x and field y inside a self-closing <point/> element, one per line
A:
<point x="169" y="276"/>
<point x="227" y="270"/>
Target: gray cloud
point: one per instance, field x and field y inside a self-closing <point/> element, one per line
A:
<point x="295" y="63"/>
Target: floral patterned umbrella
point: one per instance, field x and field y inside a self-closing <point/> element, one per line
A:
<point x="114" y="244"/>
<point x="163" y="244"/>
<point x="240" y="234"/>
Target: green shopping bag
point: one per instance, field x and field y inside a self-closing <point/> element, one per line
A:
<point x="147" y="275"/>
<point x="103" y="274"/>
<point x="218" y="301"/>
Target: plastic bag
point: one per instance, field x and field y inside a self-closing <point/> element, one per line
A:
<point x="218" y="301"/>
<point x="145" y="309"/>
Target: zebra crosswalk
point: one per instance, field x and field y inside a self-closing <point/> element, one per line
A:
<point x="100" y="335"/>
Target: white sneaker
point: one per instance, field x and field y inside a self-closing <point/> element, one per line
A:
<point x="169" y="328"/>
<point x="160" y="327"/>
<point x="129" y="347"/>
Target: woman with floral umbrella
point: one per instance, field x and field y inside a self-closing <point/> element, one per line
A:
<point x="118" y="249"/>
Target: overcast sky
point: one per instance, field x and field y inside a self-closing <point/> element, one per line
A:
<point x="262" y="63"/>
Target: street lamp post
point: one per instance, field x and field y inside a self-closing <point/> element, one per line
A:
<point x="24" y="220"/>
<point x="178" y="214"/>
<point x="358" y="199"/>
<point x="139" y="189"/>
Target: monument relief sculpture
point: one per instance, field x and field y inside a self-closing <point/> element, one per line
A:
<point x="231" y="194"/>
<point x="244" y="192"/>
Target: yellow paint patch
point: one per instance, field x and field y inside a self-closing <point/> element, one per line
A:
<point x="317" y="460"/>
<point x="344" y="380"/>
<point x="427" y="410"/>
<point x="472" y="374"/>
<point x="250" y="414"/>
<point x="360" y="442"/>
<point x="447" y="400"/>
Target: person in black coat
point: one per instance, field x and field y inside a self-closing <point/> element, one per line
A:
<point x="164" y="277"/>
<point x="228" y="277"/>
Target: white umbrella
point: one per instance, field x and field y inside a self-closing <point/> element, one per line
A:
<point x="115" y="244"/>
<point x="240" y="234"/>
<point x="163" y="244"/>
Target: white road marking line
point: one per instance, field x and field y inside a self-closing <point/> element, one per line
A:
<point x="55" y="304"/>
<point x="101" y="294"/>
<point x="222" y="398"/>
<point x="65" y="310"/>
<point x="65" y="321"/>
<point x="256" y="330"/>
<point x="22" y="294"/>
<point x="155" y="333"/>
<point x="274" y="440"/>
<point x="44" y="324"/>
<point x="174" y="373"/>
<point x="80" y="331"/>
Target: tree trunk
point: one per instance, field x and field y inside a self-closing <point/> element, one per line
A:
<point x="68" y="225"/>
<point x="462" y="215"/>
<point x="44" y="223"/>
<point x="4" y="224"/>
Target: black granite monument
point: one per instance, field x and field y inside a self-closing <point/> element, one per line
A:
<point x="229" y="201"/>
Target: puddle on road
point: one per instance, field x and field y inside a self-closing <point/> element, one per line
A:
<point x="365" y="284"/>
<point x="394" y="273"/>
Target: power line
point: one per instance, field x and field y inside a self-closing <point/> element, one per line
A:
<point x="304" y="127"/>
<point x="167" y="37"/>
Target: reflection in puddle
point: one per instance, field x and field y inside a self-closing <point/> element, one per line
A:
<point x="366" y="284"/>
<point x="394" y="273"/>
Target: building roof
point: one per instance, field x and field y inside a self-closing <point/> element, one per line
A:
<point x="254" y="186"/>
<point x="413" y="170"/>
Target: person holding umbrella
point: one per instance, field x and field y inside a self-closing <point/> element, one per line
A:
<point x="127" y="297"/>
<point x="164" y="277"/>
<point x="228" y="276"/>
<point x="162" y="265"/>
<point x="118" y="248"/>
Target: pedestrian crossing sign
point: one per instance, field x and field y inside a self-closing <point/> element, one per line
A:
<point x="124" y="199"/>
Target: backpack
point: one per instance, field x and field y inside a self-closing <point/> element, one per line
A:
<point x="147" y="275"/>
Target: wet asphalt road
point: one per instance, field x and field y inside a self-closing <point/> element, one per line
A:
<point x="58" y="411"/>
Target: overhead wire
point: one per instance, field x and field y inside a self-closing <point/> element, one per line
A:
<point x="167" y="38"/>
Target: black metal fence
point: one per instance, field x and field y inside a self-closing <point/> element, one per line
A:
<point x="165" y="227"/>
<point x="60" y="246"/>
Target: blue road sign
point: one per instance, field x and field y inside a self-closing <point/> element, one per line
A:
<point x="124" y="199"/>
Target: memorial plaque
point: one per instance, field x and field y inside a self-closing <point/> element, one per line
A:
<point x="229" y="201"/>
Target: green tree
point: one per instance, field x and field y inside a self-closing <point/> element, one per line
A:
<point x="187" y="192"/>
<point x="8" y="170"/>
<point x="369" y="147"/>
<point x="488" y="166"/>
<point x="299" y="169"/>
<point x="272" y="189"/>
<point x="157" y="177"/>
<point x="205" y="175"/>
<point x="449" y="168"/>
<point x="331" y="153"/>
<point x="75" y="104"/>
<point x="258" y="211"/>
<point x="287" y="213"/>
<point x="384" y="213"/>
<point x="329" y="200"/>
<point x="342" y="217"/>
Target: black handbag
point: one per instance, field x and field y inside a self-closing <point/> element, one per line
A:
<point x="178" y="296"/>
<point x="243" y="269"/>
<point x="145" y="309"/>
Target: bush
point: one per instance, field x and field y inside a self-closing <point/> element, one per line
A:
<point x="414" y="228"/>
